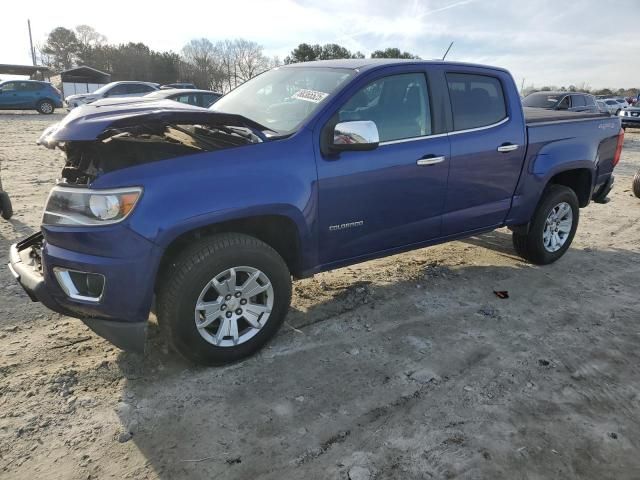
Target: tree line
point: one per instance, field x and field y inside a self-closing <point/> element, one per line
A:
<point x="219" y="66"/>
<point x="619" y="92"/>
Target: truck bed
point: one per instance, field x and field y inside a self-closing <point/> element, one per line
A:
<point x="542" y="115"/>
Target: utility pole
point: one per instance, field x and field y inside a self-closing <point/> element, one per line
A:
<point x="522" y="87"/>
<point x="33" y="52"/>
<point x="445" y="53"/>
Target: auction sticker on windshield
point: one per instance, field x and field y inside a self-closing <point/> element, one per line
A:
<point x="310" y="95"/>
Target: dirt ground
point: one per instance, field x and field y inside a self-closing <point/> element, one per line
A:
<point x="407" y="367"/>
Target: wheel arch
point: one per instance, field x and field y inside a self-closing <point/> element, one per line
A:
<point x="278" y="231"/>
<point x="580" y="180"/>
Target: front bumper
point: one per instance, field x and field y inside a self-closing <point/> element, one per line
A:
<point x="121" y="315"/>
<point x="633" y="122"/>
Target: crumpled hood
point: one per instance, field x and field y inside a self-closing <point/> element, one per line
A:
<point x="88" y="122"/>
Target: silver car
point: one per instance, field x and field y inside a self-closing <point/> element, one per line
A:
<point x="613" y="107"/>
<point x="112" y="90"/>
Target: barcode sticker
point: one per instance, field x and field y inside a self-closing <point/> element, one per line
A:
<point x="310" y="95"/>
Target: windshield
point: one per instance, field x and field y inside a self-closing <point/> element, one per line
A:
<point x="283" y="98"/>
<point x="541" y="100"/>
<point x="104" y="88"/>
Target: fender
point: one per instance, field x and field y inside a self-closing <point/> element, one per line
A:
<point x="290" y="212"/>
<point x="527" y="196"/>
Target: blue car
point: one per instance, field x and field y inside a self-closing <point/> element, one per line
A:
<point x="302" y="169"/>
<point x="29" y="95"/>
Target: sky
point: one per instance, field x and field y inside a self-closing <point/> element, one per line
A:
<point x="542" y="42"/>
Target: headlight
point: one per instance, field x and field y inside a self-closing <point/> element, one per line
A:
<point x="84" y="206"/>
<point x="622" y="113"/>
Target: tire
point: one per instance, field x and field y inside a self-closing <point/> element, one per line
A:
<point x="191" y="281"/>
<point x="5" y="206"/>
<point x="636" y="184"/>
<point x="45" y="107"/>
<point x="531" y="246"/>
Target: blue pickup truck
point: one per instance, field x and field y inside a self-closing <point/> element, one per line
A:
<point x="208" y="214"/>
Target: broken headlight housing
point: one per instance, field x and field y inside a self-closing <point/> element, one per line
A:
<point x="87" y="207"/>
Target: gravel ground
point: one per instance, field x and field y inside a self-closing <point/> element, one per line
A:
<point x="407" y="367"/>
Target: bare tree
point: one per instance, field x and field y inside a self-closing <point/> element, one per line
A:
<point x="226" y="64"/>
<point x="204" y="58"/>
<point x="249" y="59"/>
<point x="88" y="37"/>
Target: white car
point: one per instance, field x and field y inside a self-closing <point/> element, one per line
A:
<point x="111" y="90"/>
<point x="623" y="103"/>
<point x="613" y="106"/>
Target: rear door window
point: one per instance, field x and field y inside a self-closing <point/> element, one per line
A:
<point x="120" y="89"/>
<point x="564" y="104"/>
<point x="397" y="104"/>
<point x="578" y="101"/>
<point x="476" y="100"/>
<point x="208" y="99"/>
<point x="138" y="88"/>
<point x="186" y="98"/>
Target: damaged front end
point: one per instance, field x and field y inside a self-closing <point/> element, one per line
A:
<point x="101" y="139"/>
<point x="73" y="270"/>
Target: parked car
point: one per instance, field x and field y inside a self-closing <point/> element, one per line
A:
<point x="630" y="117"/>
<point x="603" y="107"/>
<point x="179" y="85"/>
<point x="199" y="98"/>
<point x="112" y="90"/>
<point x="29" y="95"/>
<point x="302" y="169"/>
<point x="623" y="103"/>
<point x="572" y="101"/>
<point x="612" y="106"/>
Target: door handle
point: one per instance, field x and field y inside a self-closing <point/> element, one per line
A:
<point x="429" y="160"/>
<point x="507" y="147"/>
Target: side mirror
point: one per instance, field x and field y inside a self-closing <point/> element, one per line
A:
<point x="355" y="135"/>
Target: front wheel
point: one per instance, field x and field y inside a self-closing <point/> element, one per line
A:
<point x="224" y="298"/>
<point x="552" y="228"/>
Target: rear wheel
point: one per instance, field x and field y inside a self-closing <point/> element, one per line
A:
<point x="552" y="228"/>
<point x="224" y="298"/>
<point x="45" y="107"/>
<point x="6" y="209"/>
<point x="636" y="184"/>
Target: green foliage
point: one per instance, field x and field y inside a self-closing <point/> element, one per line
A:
<point x="306" y="52"/>
<point x="392" y="53"/>
<point x="61" y="49"/>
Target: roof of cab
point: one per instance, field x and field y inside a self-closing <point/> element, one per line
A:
<point x="368" y="63"/>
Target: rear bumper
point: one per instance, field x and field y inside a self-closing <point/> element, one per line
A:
<point x="600" y="196"/>
<point x="118" y="317"/>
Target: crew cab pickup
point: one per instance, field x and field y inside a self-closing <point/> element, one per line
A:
<point x="305" y="168"/>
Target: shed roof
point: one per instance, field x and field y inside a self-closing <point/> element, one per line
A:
<point x="9" y="69"/>
<point x="84" y="70"/>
